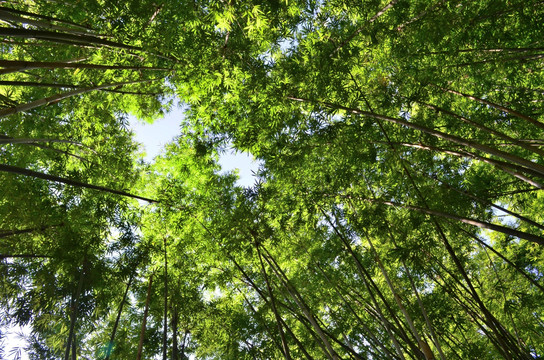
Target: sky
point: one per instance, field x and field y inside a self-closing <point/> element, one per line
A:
<point x="154" y="136"/>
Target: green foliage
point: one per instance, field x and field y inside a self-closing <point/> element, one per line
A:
<point x="398" y="210"/>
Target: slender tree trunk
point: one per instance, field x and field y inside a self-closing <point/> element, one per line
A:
<point x="74" y="348"/>
<point x="484" y="50"/>
<point x="8" y="140"/>
<point x="526" y="146"/>
<point x="368" y="333"/>
<point x="496" y="106"/>
<point x="261" y="294"/>
<point x="74" y="310"/>
<point x="481" y="224"/>
<point x="114" y="330"/>
<point x="501" y="283"/>
<point x="183" y="357"/>
<point x="504" y="344"/>
<point x="58" y="97"/>
<point x="165" y="316"/>
<point x="6" y="233"/>
<point x="144" y="320"/>
<point x="67" y="153"/>
<point x="301" y="318"/>
<point x="38" y="143"/>
<point x="366" y="278"/>
<point x="25" y="256"/>
<point x="48" y="18"/>
<point x="510" y="193"/>
<point x="19" y="65"/>
<point x="424" y="313"/>
<point x="382" y="11"/>
<point x="13" y="17"/>
<point x="157" y="11"/>
<point x="514" y="170"/>
<point x="474" y="222"/>
<point x="35" y="174"/>
<point x="489" y="203"/>
<point x="349" y="350"/>
<point x="424" y="347"/>
<point x="10" y="69"/>
<point x="466" y="301"/>
<point x="300" y="302"/>
<point x="284" y="344"/>
<point x="63" y="37"/>
<point x="297" y="341"/>
<point x="441" y="135"/>
<point x="517" y="268"/>
<point x="83" y="40"/>
<point x="68" y="86"/>
<point x="453" y="345"/>
<point x="175" y="346"/>
<point x="259" y="319"/>
<point x="525" y="58"/>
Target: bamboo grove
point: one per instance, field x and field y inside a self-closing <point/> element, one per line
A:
<point x="397" y="213"/>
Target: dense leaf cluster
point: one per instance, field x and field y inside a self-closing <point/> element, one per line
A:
<point x="397" y="212"/>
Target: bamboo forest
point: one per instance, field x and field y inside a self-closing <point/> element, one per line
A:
<point x="397" y="210"/>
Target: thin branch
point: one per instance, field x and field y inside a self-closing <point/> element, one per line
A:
<point x="35" y="174"/>
<point x="17" y="65"/>
<point x="58" y="97"/>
